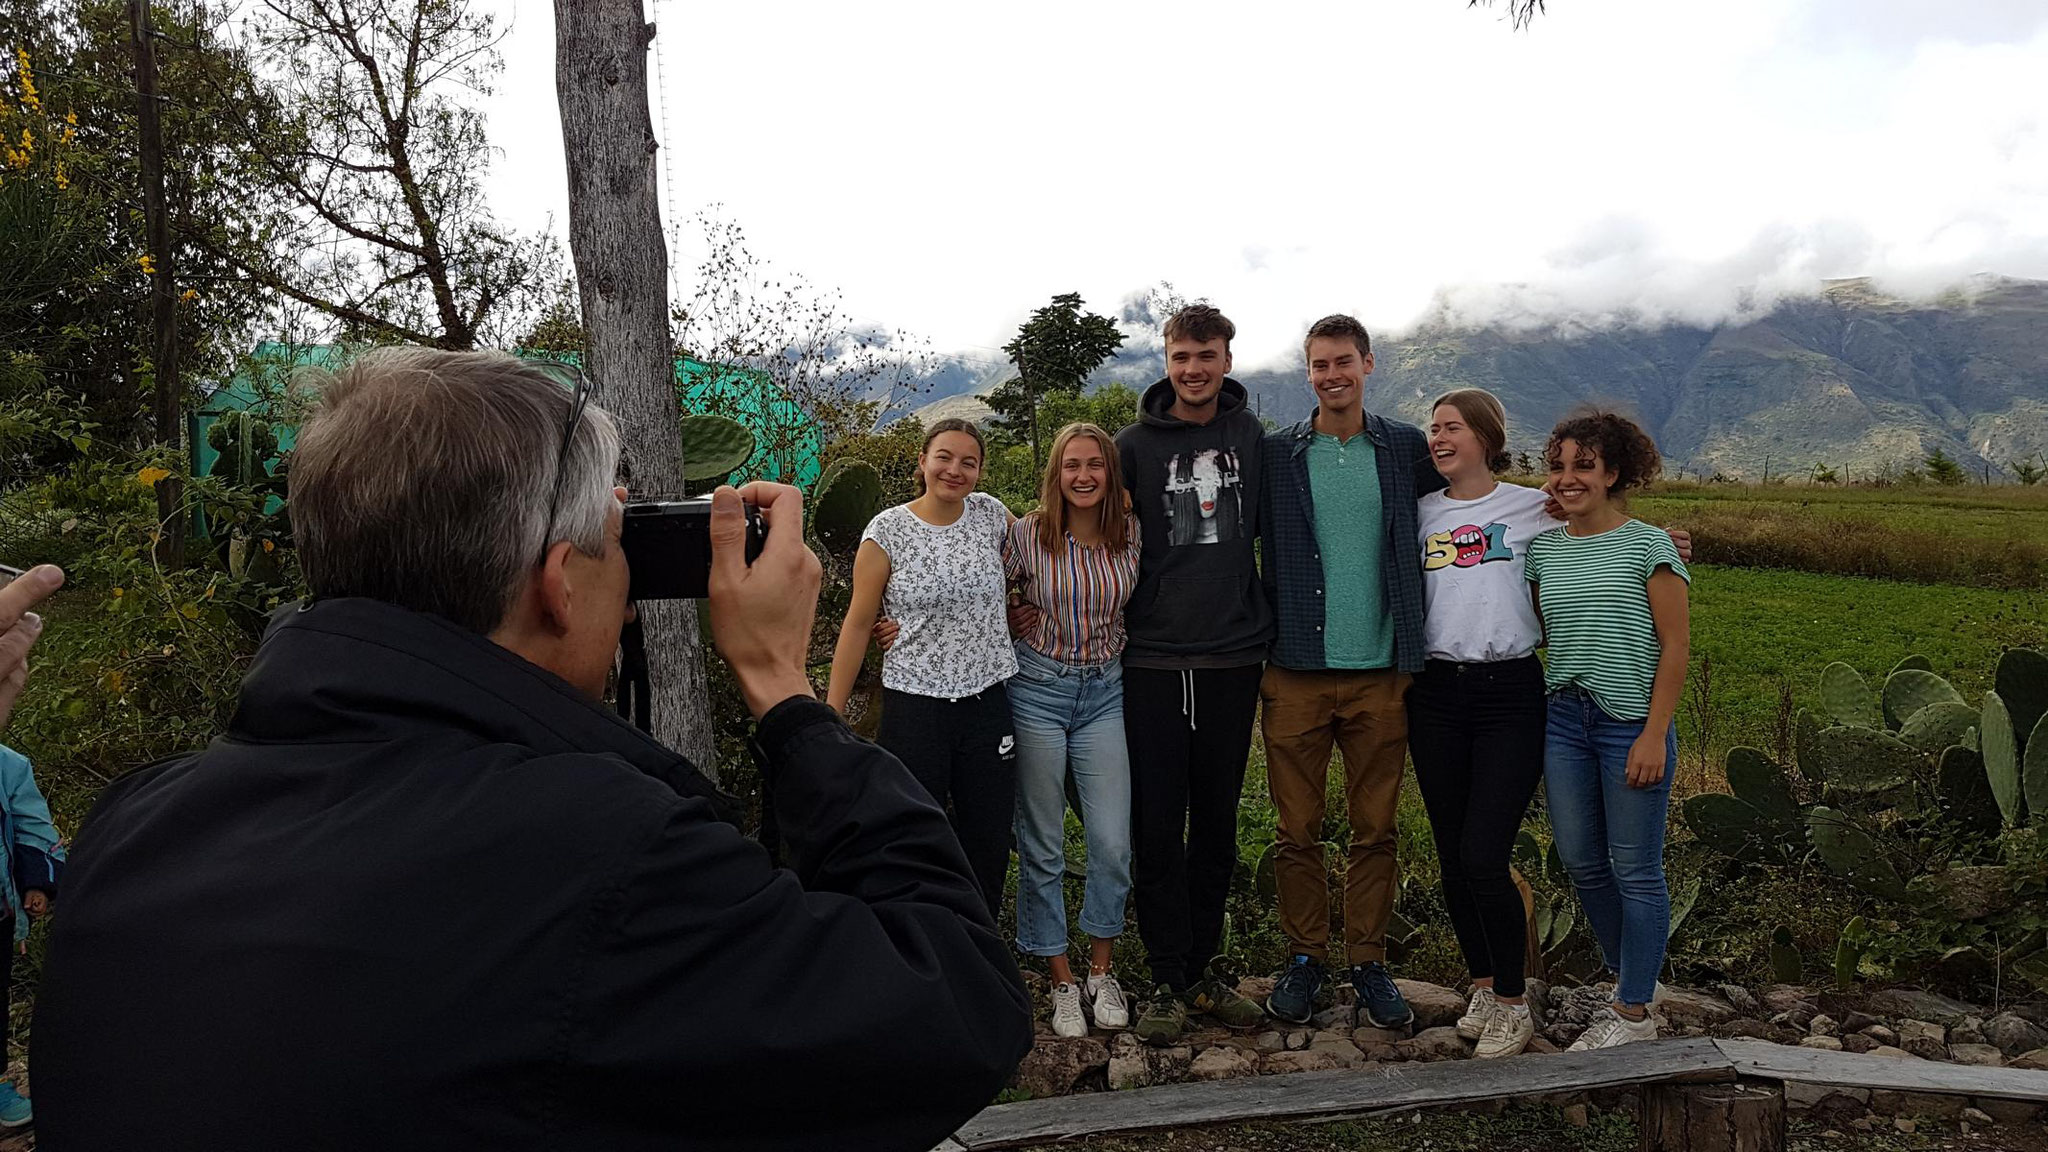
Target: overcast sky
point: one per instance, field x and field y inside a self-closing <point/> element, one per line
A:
<point x="951" y="165"/>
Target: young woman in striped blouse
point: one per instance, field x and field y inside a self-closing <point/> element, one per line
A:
<point x="1612" y="594"/>
<point x="1076" y="560"/>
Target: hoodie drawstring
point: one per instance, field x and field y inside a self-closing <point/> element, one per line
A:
<point x="1187" y="696"/>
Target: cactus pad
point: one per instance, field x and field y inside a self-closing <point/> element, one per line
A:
<point x="2022" y="682"/>
<point x="1916" y="660"/>
<point x="1758" y="782"/>
<point x="1963" y="791"/>
<point x="1850" y="853"/>
<point x="848" y="495"/>
<point x="2034" y="773"/>
<point x="714" y="447"/>
<point x="1787" y="966"/>
<point x="1863" y="761"/>
<point x="1728" y="826"/>
<point x="1849" y="950"/>
<point x="1939" y="726"/>
<point x="2000" y="747"/>
<point x="1845" y="697"/>
<point x="1806" y="726"/>
<point x="1906" y="692"/>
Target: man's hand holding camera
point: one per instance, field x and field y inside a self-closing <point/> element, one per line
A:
<point x="19" y="628"/>
<point x="761" y="614"/>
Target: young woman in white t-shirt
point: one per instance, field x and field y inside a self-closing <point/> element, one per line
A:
<point x="1476" y="711"/>
<point x="935" y="566"/>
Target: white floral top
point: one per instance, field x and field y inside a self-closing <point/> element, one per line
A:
<point x="946" y="593"/>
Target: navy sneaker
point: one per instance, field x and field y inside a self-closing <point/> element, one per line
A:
<point x="1378" y="1000"/>
<point x="1294" y="994"/>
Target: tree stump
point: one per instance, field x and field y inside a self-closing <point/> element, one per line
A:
<point x="1746" y="1117"/>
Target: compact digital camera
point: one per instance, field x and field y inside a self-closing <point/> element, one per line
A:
<point x="668" y="547"/>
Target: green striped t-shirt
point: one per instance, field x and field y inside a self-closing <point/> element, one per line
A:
<point x="1594" y="594"/>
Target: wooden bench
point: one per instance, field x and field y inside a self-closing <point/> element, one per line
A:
<point x="1698" y="1095"/>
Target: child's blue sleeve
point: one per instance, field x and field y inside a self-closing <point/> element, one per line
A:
<point x="28" y="812"/>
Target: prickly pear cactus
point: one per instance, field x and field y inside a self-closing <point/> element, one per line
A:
<point x="2022" y="682"/>
<point x="714" y="447"/>
<point x="1938" y="726"/>
<point x="1963" y="791"/>
<point x="2034" y="773"/>
<point x="847" y="496"/>
<point x="1787" y="965"/>
<point x="1916" y="660"/>
<point x="2000" y="747"/>
<point x="1849" y="948"/>
<point x="1758" y="782"/>
<point x="1909" y="690"/>
<point x="1806" y="726"/>
<point x="1863" y="761"/>
<point x="1850" y="853"/>
<point x="1847" y="699"/>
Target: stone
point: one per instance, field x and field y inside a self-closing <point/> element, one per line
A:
<point x="1799" y="1094"/>
<point x="1367" y="1034"/>
<point x="1889" y="1103"/>
<point x="1222" y="1062"/>
<point x="1343" y="1051"/>
<point x="1255" y="988"/>
<point x="1905" y="1125"/>
<point x="1575" y="1115"/>
<point x="1744" y="1028"/>
<point x="1974" y="1116"/>
<point x="1823" y="1043"/>
<point x="1739" y="998"/>
<point x="1539" y="1044"/>
<point x="1270" y="1042"/>
<point x="1169" y="1065"/>
<point x="1908" y="1004"/>
<point x="1797" y="1018"/>
<point x="1434" y="1005"/>
<point x="1924" y="1039"/>
<point x="1683" y="1008"/>
<point x="2014" y="1034"/>
<point x="1280" y="1063"/>
<point x="1881" y="1034"/>
<point x="1857" y="1042"/>
<point x="1785" y="997"/>
<point x="1053" y="1067"/>
<point x="2007" y="1111"/>
<point x="1890" y="1053"/>
<point x="1379" y="1053"/>
<point x="1981" y="1055"/>
<point x="1537" y="993"/>
<point x="1331" y="1018"/>
<point x="1858" y="1021"/>
<point x="1342" y="1035"/>
<point x="1124" y="1043"/>
<point x="1968" y="1030"/>
<point x="1129" y="1070"/>
<point x="1863" y="1124"/>
<point x="1823" y="1026"/>
<point x="1298" y="1039"/>
<point x="1836" y="1108"/>
<point x="2034" y="1061"/>
<point x="1441" y="1043"/>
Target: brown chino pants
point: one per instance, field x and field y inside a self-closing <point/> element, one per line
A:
<point x="1363" y="714"/>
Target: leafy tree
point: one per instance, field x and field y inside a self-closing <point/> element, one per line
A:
<point x="2029" y="471"/>
<point x="1053" y="352"/>
<point x="1110" y="407"/>
<point x="1822" y="474"/>
<point x="1943" y="469"/>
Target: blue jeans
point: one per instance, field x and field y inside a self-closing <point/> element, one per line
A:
<point x="1069" y="715"/>
<point x="1610" y="836"/>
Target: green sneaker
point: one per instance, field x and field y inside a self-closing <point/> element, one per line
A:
<point x="1165" y="1019"/>
<point x="1220" y="1001"/>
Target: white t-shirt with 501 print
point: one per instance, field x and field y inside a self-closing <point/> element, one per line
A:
<point x="1475" y="599"/>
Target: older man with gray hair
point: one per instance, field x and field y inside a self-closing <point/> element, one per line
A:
<point x="427" y="892"/>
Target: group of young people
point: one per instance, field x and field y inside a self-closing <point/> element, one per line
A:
<point x="1351" y="582"/>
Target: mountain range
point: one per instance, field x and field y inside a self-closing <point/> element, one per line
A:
<point x="1851" y="377"/>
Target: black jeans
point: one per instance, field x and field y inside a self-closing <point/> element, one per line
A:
<point x="1189" y="734"/>
<point x="1476" y="733"/>
<point x="964" y="752"/>
<point x="6" y="985"/>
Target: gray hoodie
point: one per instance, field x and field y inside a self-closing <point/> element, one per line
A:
<point x="1195" y="488"/>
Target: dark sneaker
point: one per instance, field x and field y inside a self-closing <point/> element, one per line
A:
<point x="1217" y="997"/>
<point x="1165" y="1019"/>
<point x="1294" y="994"/>
<point x="1378" y="1000"/>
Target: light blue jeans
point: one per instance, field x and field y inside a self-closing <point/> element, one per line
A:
<point x="1610" y="836"/>
<point x="1069" y="716"/>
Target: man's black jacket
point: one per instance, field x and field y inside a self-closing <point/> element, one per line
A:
<point x="422" y="894"/>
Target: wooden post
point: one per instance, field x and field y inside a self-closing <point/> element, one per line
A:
<point x="170" y="545"/>
<point x="1744" y="1117"/>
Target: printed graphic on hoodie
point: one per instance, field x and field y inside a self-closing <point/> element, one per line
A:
<point x="1204" y="501"/>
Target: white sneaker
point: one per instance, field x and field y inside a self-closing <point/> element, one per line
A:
<point x="1613" y="1030"/>
<point x="1508" y="1031"/>
<point x="1106" y="998"/>
<point x="1473" y="1023"/>
<point x="1066" y="1011"/>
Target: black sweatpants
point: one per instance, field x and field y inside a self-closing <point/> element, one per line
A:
<point x="1189" y="734"/>
<point x="964" y="752"/>
<point x="7" y="945"/>
<point x="1476" y="733"/>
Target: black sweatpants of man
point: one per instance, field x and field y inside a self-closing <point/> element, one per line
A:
<point x="1189" y="732"/>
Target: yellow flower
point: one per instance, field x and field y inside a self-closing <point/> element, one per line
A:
<point x="63" y="178"/>
<point x="71" y="118"/>
<point x="148" y="477"/>
<point x="189" y="295"/>
<point x="148" y="263"/>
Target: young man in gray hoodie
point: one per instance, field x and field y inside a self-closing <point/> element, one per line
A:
<point x="1198" y="626"/>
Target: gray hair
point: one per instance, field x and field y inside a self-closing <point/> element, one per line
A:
<point x="423" y="479"/>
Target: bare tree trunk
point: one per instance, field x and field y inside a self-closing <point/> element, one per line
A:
<point x="170" y="496"/>
<point x="622" y="277"/>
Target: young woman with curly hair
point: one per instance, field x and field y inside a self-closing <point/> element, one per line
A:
<point x="1611" y="591"/>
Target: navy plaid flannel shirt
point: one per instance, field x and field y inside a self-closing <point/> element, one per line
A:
<point x="1292" y="566"/>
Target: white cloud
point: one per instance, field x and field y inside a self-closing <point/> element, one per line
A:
<point x="951" y="166"/>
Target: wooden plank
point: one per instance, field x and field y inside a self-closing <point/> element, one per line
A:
<point x="1372" y="1090"/>
<point x="1769" y="1061"/>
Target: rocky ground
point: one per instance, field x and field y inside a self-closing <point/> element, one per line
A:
<point x="1896" y="1024"/>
